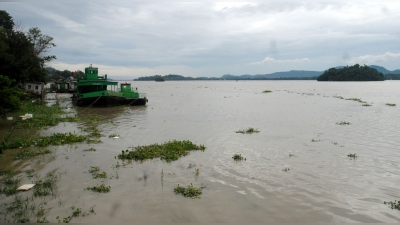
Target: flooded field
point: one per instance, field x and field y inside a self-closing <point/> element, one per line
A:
<point x="297" y="169"/>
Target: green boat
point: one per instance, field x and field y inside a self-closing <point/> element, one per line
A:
<point x="94" y="90"/>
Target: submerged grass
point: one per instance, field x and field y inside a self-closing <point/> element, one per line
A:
<point x="190" y="191"/>
<point x="43" y="115"/>
<point x="169" y="151"/>
<point x="10" y="186"/>
<point x="31" y="153"/>
<point x="46" y="186"/>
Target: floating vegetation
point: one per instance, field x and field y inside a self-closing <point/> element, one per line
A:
<point x="366" y="104"/>
<point x="190" y="191"/>
<point x="267" y="91"/>
<point x="100" y="189"/>
<point x="238" y="157"/>
<point x="197" y="170"/>
<point x="313" y="140"/>
<point x="336" y="96"/>
<point x="354" y="156"/>
<point x="250" y="130"/>
<point x="44" y="115"/>
<point x="47" y="186"/>
<point x="393" y="205"/>
<point x="31" y="153"/>
<point x="55" y="139"/>
<point x="355" y="99"/>
<point x="290" y="155"/>
<point x="169" y="151"/>
<point x="286" y="169"/>
<point x="113" y="136"/>
<point x="343" y="123"/>
<point x="90" y="150"/>
<point x="94" y="170"/>
<point x="390" y="104"/>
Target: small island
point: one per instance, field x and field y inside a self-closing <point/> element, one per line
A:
<point x="159" y="78"/>
<point x="351" y="73"/>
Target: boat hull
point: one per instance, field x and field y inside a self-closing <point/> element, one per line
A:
<point x="106" y="101"/>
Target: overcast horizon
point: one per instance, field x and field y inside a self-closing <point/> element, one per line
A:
<point x="131" y="39"/>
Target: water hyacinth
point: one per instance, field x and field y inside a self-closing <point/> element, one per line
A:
<point x="190" y="191"/>
<point x="169" y="151"/>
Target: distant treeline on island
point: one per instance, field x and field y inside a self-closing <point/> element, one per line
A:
<point x="341" y="73"/>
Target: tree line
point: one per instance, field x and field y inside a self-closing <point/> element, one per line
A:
<point x="352" y="73"/>
<point x="23" y="56"/>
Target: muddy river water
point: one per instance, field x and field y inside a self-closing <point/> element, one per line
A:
<point x="299" y="131"/>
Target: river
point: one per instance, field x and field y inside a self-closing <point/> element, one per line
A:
<point x="299" y="132"/>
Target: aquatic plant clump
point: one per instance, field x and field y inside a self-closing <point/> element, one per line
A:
<point x="343" y="123"/>
<point x="352" y="155"/>
<point x="190" y="191"/>
<point x="55" y="139"/>
<point x="250" y="130"/>
<point x="393" y="205"/>
<point x="390" y="104"/>
<point x="267" y="91"/>
<point x="100" y="189"/>
<point x="237" y="157"/>
<point x="169" y="151"/>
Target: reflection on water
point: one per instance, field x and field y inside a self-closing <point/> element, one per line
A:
<point x="298" y="118"/>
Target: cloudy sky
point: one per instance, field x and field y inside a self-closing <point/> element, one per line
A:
<point x="211" y="39"/>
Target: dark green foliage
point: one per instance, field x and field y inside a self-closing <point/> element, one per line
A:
<point x="250" y="130"/>
<point x="351" y="73"/>
<point x="393" y="205"/>
<point x="169" y="151"/>
<point x="100" y="189"/>
<point x="55" y="139"/>
<point x="190" y="191"/>
<point x="159" y="78"/>
<point x="6" y="20"/>
<point x="390" y="104"/>
<point x="237" y="157"/>
<point x="354" y="156"/>
<point x="10" y="96"/>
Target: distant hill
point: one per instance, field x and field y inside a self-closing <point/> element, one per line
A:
<point x="384" y="70"/>
<point x="288" y="74"/>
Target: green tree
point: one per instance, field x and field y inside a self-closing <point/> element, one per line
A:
<point x="10" y="96"/>
<point x="41" y="44"/>
<point x="351" y="73"/>
<point x="6" y="20"/>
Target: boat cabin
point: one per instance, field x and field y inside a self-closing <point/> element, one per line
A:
<point x="126" y="87"/>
